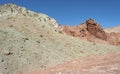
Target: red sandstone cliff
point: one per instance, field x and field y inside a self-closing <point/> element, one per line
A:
<point x="91" y="31"/>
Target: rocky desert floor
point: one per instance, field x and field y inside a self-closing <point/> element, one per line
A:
<point x="98" y="64"/>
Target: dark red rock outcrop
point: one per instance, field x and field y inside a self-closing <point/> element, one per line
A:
<point x="95" y="29"/>
<point x="91" y="31"/>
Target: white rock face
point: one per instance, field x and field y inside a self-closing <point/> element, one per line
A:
<point x="14" y="10"/>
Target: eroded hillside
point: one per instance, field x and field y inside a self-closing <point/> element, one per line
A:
<point x="30" y="41"/>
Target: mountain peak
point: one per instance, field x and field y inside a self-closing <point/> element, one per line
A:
<point x="90" y="21"/>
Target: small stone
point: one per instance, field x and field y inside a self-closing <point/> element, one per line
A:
<point x="21" y="47"/>
<point x="5" y="68"/>
<point x="41" y="35"/>
<point x="38" y="41"/>
<point x="8" y="53"/>
<point x="2" y="61"/>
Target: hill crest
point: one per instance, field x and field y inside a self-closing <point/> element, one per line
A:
<point x="8" y="10"/>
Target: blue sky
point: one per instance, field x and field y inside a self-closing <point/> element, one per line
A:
<point x="74" y="12"/>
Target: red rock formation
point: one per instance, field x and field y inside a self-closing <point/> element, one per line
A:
<point x="91" y="31"/>
<point x="95" y="29"/>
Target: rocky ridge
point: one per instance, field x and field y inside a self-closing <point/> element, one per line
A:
<point x="93" y="32"/>
<point x="9" y="10"/>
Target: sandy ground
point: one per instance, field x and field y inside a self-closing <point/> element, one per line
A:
<point x="99" y="64"/>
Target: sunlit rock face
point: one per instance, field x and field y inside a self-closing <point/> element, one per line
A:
<point x="91" y="31"/>
<point x="95" y="29"/>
